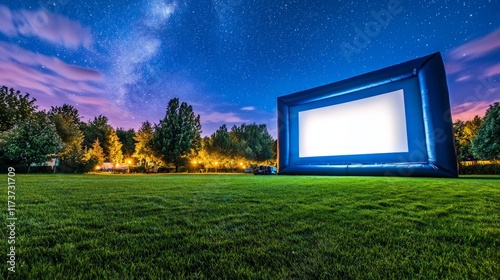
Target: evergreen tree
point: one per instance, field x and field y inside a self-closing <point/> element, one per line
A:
<point x="177" y="136"/>
<point x="114" y="148"/>
<point x="95" y="154"/>
<point x="143" y="148"/>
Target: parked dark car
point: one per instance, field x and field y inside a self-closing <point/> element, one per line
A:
<point x="265" y="170"/>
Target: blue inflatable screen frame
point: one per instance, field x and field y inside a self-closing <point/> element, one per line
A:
<point x="430" y="149"/>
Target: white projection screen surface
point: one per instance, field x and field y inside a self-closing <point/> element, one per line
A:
<point x="373" y="125"/>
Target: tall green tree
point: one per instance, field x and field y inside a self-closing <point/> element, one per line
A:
<point x="144" y="151"/>
<point x="114" y="148"/>
<point x="32" y="140"/>
<point x="14" y="107"/>
<point x="66" y="118"/>
<point x="127" y="139"/>
<point x="177" y="136"/>
<point x="486" y="144"/>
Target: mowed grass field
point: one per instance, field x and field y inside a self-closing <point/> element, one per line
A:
<point x="208" y="226"/>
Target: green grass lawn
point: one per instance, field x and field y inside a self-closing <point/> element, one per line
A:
<point x="254" y="227"/>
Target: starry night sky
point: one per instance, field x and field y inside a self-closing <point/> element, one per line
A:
<point x="231" y="59"/>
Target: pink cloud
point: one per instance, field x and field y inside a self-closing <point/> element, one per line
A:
<point x="20" y="76"/>
<point x="478" y="47"/>
<point x="463" y="78"/>
<point x="492" y="71"/>
<point x="24" y="69"/>
<point x="54" y="28"/>
<point x="73" y="72"/>
<point x="51" y="81"/>
<point x="460" y="59"/>
<point x="469" y="110"/>
<point x="452" y="67"/>
<point x="90" y="100"/>
<point x="93" y="106"/>
<point x="7" y="26"/>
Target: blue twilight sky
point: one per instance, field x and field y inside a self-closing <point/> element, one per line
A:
<point x="231" y="59"/>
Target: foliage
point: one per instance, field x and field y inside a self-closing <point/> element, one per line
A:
<point x="98" y="128"/>
<point x="249" y="143"/>
<point x="32" y="140"/>
<point x="487" y="143"/>
<point x="219" y="146"/>
<point x="66" y="119"/>
<point x="479" y="169"/>
<point x="256" y="227"/>
<point x="67" y="130"/>
<point x="127" y="139"/>
<point x="253" y="142"/>
<point x="465" y="132"/>
<point x="72" y="157"/>
<point x="68" y="111"/>
<point x="177" y="136"/>
<point x="14" y="107"/>
<point x="95" y="154"/>
<point x="114" y="148"/>
<point x="144" y="151"/>
<point x="275" y="152"/>
<point x="206" y="160"/>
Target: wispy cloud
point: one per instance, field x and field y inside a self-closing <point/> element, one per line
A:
<point x="472" y="71"/>
<point x="26" y="69"/>
<point x="217" y="117"/>
<point x="462" y="58"/>
<point x="469" y="110"/>
<point x="54" y="28"/>
<point x="248" y="108"/>
<point x="478" y="47"/>
<point x="53" y="82"/>
<point x="492" y="71"/>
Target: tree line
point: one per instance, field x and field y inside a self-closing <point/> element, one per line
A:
<point x="31" y="136"/>
<point x="479" y="138"/>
